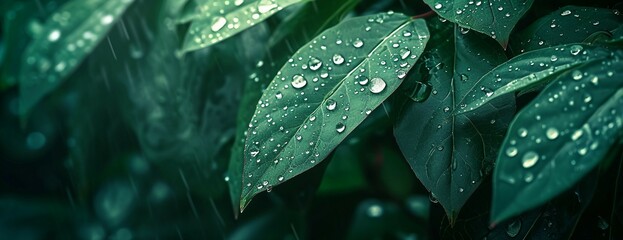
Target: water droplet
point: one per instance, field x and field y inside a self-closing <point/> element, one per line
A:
<point x="464" y="30"/>
<point x="338" y="59"/>
<point x="522" y="132"/>
<point x="340" y="127"/>
<point x="575" y="49"/>
<point x="511" y="151"/>
<point x="54" y="35"/>
<point x="377" y="85"/>
<point x="529" y="159"/>
<point x="279" y="95"/>
<point x="438" y="6"/>
<point x="565" y="13"/>
<point x="553" y="58"/>
<point x="464" y="77"/>
<point x="331" y="104"/>
<point x="404" y="53"/>
<point x="551" y="133"/>
<point x="363" y="81"/>
<point x="107" y="19"/>
<point x="298" y="81"/>
<point x="358" y="43"/>
<point x="577" y="134"/>
<point x="254" y="150"/>
<point x="314" y="63"/>
<point x="281" y="178"/>
<point x="576" y="75"/>
<point x="218" y="23"/>
<point x="513" y="228"/>
<point x="420" y="92"/>
<point x="375" y="211"/>
<point x="266" y="5"/>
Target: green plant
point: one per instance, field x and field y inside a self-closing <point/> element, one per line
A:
<point x="509" y="114"/>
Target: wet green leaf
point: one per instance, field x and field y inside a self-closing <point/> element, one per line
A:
<point x="313" y="19"/>
<point x="528" y="70"/>
<point x="68" y="36"/>
<point x="554" y="29"/>
<point x="324" y="92"/>
<point x="559" y="137"/>
<point x="450" y="153"/>
<point x="218" y="20"/>
<point x="494" y="18"/>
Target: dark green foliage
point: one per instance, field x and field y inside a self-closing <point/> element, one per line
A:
<point x="340" y="119"/>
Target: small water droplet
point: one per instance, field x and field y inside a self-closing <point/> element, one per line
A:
<point x="575" y="49"/>
<point x="331" y="104"/>
<point x="54" y="35"/>
<point x="576" y="75"/>
<point x="377" y="85"/>
<point x="522" y="132"/>
<point x="602" y="224"/>
<point x="551" y="133"/>
<point x="266" y="5"/>
<point x="218" y="23"/>
<point x="577" y="134"/>
<point x="565" y="13"/>
<point x="358" y="43"/>
<point x="404" y="53"/>
<point x="340" y="127"/>
<point x="438" y="5"/>
<point x="314" y="63"/>
<point x="363" y="81"/>
<point x="338" y="59"/>
<point x="375" y="211"/>
<point x="298" y="81"/>
<point x="254" y="150"/>
<point x="511" y="151"/>
<point x="529" y="159"/>
<point x="278" y="95"/>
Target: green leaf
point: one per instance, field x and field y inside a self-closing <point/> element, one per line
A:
<point x="69" y="35"/>
<point x="327" y="88"/>
<point x="559" y="137"/>
<point x="554" y="29"/>
<point x="494" y="18"/>
<point x="313" y="20"/>
<point x="218" y="20"/>
<point x="528" y="70"/>
<point x="450" y="153"/>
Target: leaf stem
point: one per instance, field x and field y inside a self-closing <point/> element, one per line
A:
<point x="424" y="15"/>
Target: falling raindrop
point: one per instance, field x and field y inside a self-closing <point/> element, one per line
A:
<point x="338" y="59"/>
<point x="577" y="134"/>
<point x="340" y="127"/>
<point x="377" y="85"/>
<point x="298" y="81"/>
<point x="529" y="159"/>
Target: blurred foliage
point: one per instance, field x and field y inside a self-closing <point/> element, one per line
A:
<point x="141" y="140"/>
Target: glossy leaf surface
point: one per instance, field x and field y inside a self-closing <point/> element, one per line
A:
<point x="221" y="19"/>
<point x="492" y="17"/>
<point x="450" y="154"/>
<point x="65" y="41"/>
<point x="559" y="137"/>
<point x="326" y="90"/>
<point x="530" y="69"/>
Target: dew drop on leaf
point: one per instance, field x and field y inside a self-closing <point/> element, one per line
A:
<point x="404" y="53"/>
<point x="513" y="228"/>
<point x="575" y="49"/>
<point x="218" y="23"/>
<point x="377" y="85"/>
<point x="331" y="104"/>
<point x="529" y="159"/>
<point x="338" y="59"/>
<point x="438" y="6"/>
<point x="551" y="133"/>
<point x="279" y="95"/>
<point x="511" y="151"/>
<point x="314" y="63"/>
<point x="363" y="81"/>
<point x="298" y="81"/>
<point x="254" y="150"/>
<point x="576" y="75"/>
<point x="358" y="43"/>
<point x="340" y="127"/>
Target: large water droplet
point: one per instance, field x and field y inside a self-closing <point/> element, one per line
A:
<point x="511" y="151"/>
<point x="314" y="63"/>
<point x="331" y="104"/>
<point x="340" y="127"/>
<point x="529" y="159"/>
<point x="218" y="23"/>
<point x="404" y="53"/>
<point x="377" y="85"/>
<point x="278" y="95"/>
<point x="363" y="81"/>
<point x="298" y="81"/>
<point x="338" y="59"/>
<point x="551" y="133"/>
<point x="576" y="75"/>
<point x="54" y="35"/>
<point x="575" y="49"/>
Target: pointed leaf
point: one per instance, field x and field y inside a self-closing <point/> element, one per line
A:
<point x="314" y="19"/>
<point x="559" y="137"/>
<point x="554" y="29"/>
<point x="494" y="18"/>
<point x="65" y="41"/>
<point x="220" y="19"/>
<point x="326" y="90"/>
<point x="449" y="153"/>
<point x="528" y="70"/>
